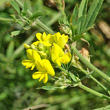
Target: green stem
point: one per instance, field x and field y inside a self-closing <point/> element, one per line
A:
<point x="87" y="89"/>
<point x="92" y="91"/>
<point x="21" y="47"/>
<point x="89" y="65"/>
<point x="43" y="26"/>
<point x="63" y="69"/>
<point x="38" y="22"/>
<point x="6" y="19"/>
<point x="95" y="80"/>
<point x="54" y="18"/>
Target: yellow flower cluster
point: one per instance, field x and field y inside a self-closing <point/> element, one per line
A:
<point x="46" y="50"/>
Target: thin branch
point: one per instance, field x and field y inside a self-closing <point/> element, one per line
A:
<point x="89" y="65"/>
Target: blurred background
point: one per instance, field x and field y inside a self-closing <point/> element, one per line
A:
<point x="17" y="88"/>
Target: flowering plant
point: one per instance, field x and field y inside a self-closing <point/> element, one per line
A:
<point x="51" y="51"/>
<point x="46" y="51"/>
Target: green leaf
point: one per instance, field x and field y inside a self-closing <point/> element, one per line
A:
<point x="36" y="14"/>
<point x="13" y="16"/>
<point x="82" y="12"/>
<point x="10" y="49"/>
<point x="25" y="8"/>
<point x="92" y="13"/>
<point x="20" y="22"/>
<point x="73" y="77"/>
<point x="15" y="33"/>
<point x="104" y="108"/>
<point x="82" y="8"/>
<point x="79" y="20"/>
<point x="3" y="95"/>
<point x="77" y="25"/>
<point x="15" y="6"/>
<point x="74" y="14"/>
<point x="64" y="20"/>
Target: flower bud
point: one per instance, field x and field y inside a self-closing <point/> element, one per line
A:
<point x="27" y="46"/>
<point x="41" y="47"/>
<point x="33" y="47"/>
<point x="65" y="29"/>
<point x="42" y="54"/>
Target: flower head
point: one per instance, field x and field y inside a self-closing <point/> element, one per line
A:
<point x="58" y="56"/>
<point x="43" y="38"/>
<point x="44" y="68"/>
<point x="59" y="39"/>
<point x="48" y="48"/>
<point x="33" y="56"/>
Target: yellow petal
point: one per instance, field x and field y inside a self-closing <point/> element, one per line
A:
<point x="46" y="43"/>
<point x="60" y="40"/>
<point x="58" y="61"/>
<point x="58" y="34"/>
<point x="39" y="36"/>
<point x="47" y="38"/>
<point x="36" y="43"/>
<point x="44" y="39"/>
<point x="44" y="36"/>
<point x="28" y="64"/>
<point x="66" y="58"/>
<point x="35" y="55"/>
<point x="39" y="65"/>
<point x="45" y="78"/>
<point x="48" y="67"/>
<point x="36" y="75"/>
<point x="33" y="66"/>
<point x="51" y="39"/>
<point x="29" y="53"/>
<point x="25" y="62"/>
<point x="56" y="37"/>
<point x="41" y="77"/>
<point x="56" y="52"/>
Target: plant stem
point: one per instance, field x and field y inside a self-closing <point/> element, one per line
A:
<point x="38" y="22"/>
<point x="21" y="47"/>
<point x="92" y="91"/>
<point x="6" y="19"/>
<point x="95" y="80"/>
<point x="54" y="18"/>
<point x="89" y="65"/>
<point x="79" y="84"/>
<point x="43" y="26"/>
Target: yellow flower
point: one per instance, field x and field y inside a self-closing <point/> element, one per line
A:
<point x="44" y="68"/>
<point x="47" y="47"/>
<point x="43" y="38"/>
<point x="33" y="56"/>
<point x="58" y="56"/>
<point x="59" y="39"/>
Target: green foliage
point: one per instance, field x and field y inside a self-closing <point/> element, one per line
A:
<point x="83" y="20"/>
<point x="104" y="108"/>
<point x="92" y="14"/>
<point x="36" y="14"/>
<point x="15" y="6"/>
<point x="17" y="88"/>
<point x="25" y="8"/>
<point x="10" y="49"/>
<point x="14" y="33"/>
<point x="82" y="12"/>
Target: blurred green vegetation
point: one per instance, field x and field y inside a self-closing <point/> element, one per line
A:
<point x="18" y="89"/>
